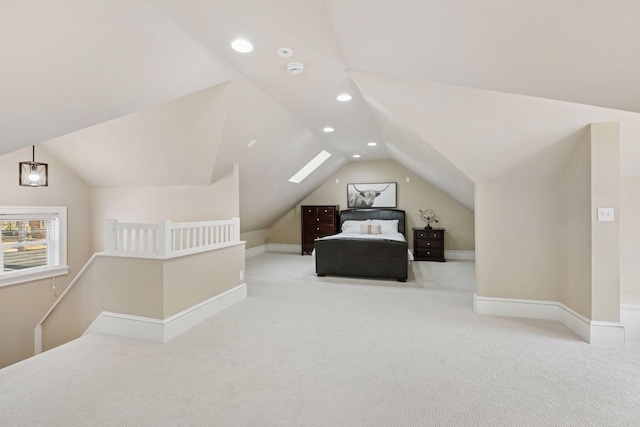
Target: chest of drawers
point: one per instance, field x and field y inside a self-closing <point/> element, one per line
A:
<point x="318" y="221"/>
<point x="428" y="245"/>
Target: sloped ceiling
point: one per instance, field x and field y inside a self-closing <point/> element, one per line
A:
<point x="175" y="143"/>
<point x="133" y="92"/>
<point x="70" y="64"/>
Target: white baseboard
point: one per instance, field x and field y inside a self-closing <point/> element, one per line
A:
<point x="630" y="318"/>
<point x="163" y="330"/>
<point x="593" y="332"/>
<point x="273" y="247"/>
<point x="460" y="255"/>
<point x="251" y="252"/>
<point x="284" y="247"/>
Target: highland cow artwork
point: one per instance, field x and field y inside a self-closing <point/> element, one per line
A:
<point x="366" y="196"/>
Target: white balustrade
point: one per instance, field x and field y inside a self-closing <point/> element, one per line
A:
<point x="166" y="239"/>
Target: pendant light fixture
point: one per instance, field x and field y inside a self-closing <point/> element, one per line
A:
<point x="33" y="174"/>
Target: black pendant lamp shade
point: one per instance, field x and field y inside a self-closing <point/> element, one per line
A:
<point x="34" y="174"/>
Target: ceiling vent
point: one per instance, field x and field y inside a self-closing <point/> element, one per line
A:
<point x="295" y="68"/>
<point x="284" y="52"/>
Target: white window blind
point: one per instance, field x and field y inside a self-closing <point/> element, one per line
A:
<point x="32" y="243"/>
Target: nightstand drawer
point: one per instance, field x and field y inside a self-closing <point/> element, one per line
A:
<point x="428" y="253"/>
<point x="428" y="234"/>
<point x="424" y="243"/>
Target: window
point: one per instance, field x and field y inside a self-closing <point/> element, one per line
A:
<point x="32" y="243"/>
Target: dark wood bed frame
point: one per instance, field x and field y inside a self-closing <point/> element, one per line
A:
<point x="364" y="258"/>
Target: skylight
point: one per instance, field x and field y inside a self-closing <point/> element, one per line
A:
<point x="310" y="167"/>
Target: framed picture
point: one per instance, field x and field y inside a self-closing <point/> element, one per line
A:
<point x="377" y="195"/>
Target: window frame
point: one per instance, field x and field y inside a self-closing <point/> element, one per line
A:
<point x="25" y="213"/>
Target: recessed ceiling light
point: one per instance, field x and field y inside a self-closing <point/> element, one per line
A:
<point x="328" y="129"/>
<point x="242" y="46"/>
<point x="284" y="52"/>
<point x="356" y="156"/>
<point x="344" y="97"/>
<point x="372" y="144"/>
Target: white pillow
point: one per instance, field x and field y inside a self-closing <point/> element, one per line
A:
<point x="369" y="229"/>
<point x="353" y="226"/>
<point x="387" y="225"/>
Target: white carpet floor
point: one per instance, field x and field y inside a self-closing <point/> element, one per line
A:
<point x="309" y="351"/>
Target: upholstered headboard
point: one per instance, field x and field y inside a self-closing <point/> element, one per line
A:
<point x="364" y="214"/>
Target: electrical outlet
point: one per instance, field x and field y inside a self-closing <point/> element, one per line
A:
<point x="241" y="274"/>
<point x="605" y="214"/>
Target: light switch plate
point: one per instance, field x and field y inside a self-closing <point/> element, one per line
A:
<point x="605" y="214"/>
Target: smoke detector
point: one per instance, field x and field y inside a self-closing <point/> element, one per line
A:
<point x="295" y="67"/>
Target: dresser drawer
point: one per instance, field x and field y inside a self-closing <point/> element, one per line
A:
<point x="329" y="210"/>
<point x="313" y="210"/>
<point x="318" y="219"/>
<point x="323" y="229"/>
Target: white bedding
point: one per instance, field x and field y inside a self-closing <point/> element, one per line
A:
<point x="398" y="237"/>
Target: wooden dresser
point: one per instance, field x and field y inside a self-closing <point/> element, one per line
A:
<point x="318" y="221"/>
<point x="428" y="245"/>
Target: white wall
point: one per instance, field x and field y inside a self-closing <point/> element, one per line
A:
<point x="605" y="245"/>
<point x="630" y="240"/>
<point x="574" y="198"/>
<point x="517" y="240"/>
<point x="540" y="240"/>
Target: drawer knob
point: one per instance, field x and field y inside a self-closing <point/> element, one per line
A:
<point x="318" y="229"/>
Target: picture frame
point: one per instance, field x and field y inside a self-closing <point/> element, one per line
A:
<point x="372" y="195"/>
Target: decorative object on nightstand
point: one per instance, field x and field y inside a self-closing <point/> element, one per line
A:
<point x="428" y="216"/>
<point x="318" y="221"/>
<point x="428" y="245"/>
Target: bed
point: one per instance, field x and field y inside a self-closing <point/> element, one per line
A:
<point x="367" y="247"/>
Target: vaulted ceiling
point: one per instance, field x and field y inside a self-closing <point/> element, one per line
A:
<point x="149" y="92"/>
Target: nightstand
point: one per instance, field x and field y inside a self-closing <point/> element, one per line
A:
<point x="428" y="245"/>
